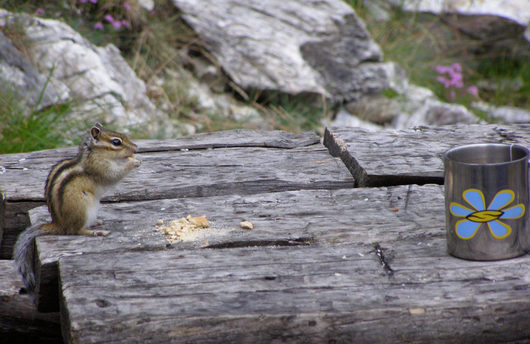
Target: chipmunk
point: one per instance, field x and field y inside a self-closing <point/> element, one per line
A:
<point x="73" y="190"/>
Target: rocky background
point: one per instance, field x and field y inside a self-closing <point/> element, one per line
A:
<point x="169" y="68"/>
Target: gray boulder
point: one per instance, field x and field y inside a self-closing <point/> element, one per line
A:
<point x="498" y="23"/>
<point x="97" y="79"/>
<point x="296" y="46"/>
<point x="506" y="114"/>
<point x="32" y="88"/>
<point x="410" y="106"/>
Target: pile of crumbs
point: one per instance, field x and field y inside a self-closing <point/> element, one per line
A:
<point x="183" y="229"/>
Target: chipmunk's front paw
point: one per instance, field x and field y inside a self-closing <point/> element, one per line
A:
<point x="134" y="161"/>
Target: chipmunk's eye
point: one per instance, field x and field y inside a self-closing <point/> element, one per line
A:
<point x="116" y="142"/>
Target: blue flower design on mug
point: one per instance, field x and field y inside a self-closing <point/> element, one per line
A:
<point x="479" y="214"/>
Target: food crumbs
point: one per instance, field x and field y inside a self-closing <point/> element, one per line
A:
<point x="246" y="225"/>
<point x="415" y="311"/>
<point x="182" y="229"/>
<point x="199" y="221"/>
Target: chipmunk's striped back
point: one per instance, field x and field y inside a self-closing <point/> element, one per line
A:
<point x="73" y="190"/>
<point x="59" y="173"/>
<point x="109" y="145"/>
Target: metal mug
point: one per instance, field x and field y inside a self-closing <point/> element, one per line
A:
<point x="486" y="201"/>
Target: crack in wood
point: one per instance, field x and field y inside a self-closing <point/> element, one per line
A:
<point x="214" y="146"/>
<point x="507" y="135"/>
<point x="407" y="197"/>
<point x="379" y="252"/>
<point x="391" y="180"/>
<point x="231" y="139"/>
<point x="305" y="241"/>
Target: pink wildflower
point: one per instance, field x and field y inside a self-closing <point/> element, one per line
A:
<point x="456" y="81"/>
<point x="454" y="72"/>
<point x="451" y="77"/>
<point x="456" y="67"/>
<point x="116" y="24"/>
<point x="444" y="81"/>
<point x="442" y="69"/>
<point x="39" y="11"/>
<point x="98" y="26"/>
<point x="109" y="18"/>
<point x="126" y="6"/>
<point x="473" y="90"/>
<point x="94" y="1"/>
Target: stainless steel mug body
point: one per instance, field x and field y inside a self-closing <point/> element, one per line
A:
<point x="486" y="201"/>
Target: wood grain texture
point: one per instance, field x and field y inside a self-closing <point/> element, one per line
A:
<point x="325" y="262"/>
<point x="25" y="173"/>
<point x="15" y="219"/>
<point x="333" y="288"/>
<point x="325" y="218"/>
<point x="294" y="294"/>
<point x="197" y="173"/>
<point x="232" y="138"/>
<point x="19" y="320"/>
<point x="247" y="162"/>
<point x="393" y="157"/>
<point x="2" y="215"/>
<point x="225" y="171"/>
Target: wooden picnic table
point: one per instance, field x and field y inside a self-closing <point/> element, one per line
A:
<point x="348" y="244"/>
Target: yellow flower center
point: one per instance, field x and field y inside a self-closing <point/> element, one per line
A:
<point x="484" y="216"/>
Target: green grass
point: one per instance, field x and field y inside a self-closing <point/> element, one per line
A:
<point x="510" y="77"/>
<point x="23" y="129"/>
<point x="291" y="113"/>
<point x="419" y="42"/>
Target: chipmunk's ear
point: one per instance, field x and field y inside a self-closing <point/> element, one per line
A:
<point x="96" y="131"/>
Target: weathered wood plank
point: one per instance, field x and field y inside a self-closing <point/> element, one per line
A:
<point x="324" y="218"/>
<point x="15" y="217"/>
<point x="196" y="173"/>
<point x="308" y="271"/>
<point x="19" y="320"/>
<point x="26" y="173"/>
<point x="273" y="162"/>
<point x="393" y="157"/>
<point x="298" y="294"/>
<point x="225" y="171"/>
<point x="220" y="139"/>
<point x="2" y="215"/>
<point x="232" y="138"/>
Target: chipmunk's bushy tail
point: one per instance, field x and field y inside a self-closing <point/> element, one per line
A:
<point x="24" y="255"/>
